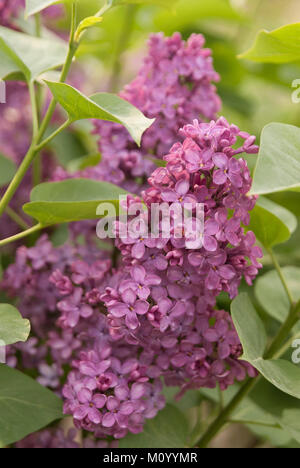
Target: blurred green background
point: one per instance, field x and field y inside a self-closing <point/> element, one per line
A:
<point x="253" y="94"/>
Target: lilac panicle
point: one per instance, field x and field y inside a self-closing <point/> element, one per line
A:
<point x="174" y="86"/>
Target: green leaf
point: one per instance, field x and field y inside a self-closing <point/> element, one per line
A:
<point x="261" y="411"/>
<point x="283" y="408"/>
<point x="70" y="200"/>
<point x="80" y="164"/>
<point x="29" y="55"/>
<point x="103" y="106"/>
<point x="279" y="46"/>
<point x="7" y="170"/>
<point x="60" y="235"/>
<point x="25" y="406"/>
<point x="67" y="147"/>
<point x="250" y="327"/>
<point x="13" y="328"/>
<point x="169" y="429"/>
<point x="278" y="164"/>
<point x="271" y="294"/>
<point x="190" y="399"/>
<point x="282" y="374"/>
<point x="85" y="24"/>
<point x="271" y="223"/>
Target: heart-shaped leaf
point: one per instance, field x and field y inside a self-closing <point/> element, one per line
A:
<point x="271" y="223"/>
<point x="282" y="374"/>
<point x="250" y="327"/>
<point x="278" y="163"/>
<point x="7" y="170"/>
<point x="71" y="200"/>
<point x="271" y="294"/>
<point x="103" y="106"/>
<point x="279" y="46"/>
<point x="13" y="328"/>
<point x="25" y="406"/>
<point x="31" y="56"/>
<point x="282" y="407"/>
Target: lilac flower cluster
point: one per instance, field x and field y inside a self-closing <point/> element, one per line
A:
<point x="50" y="439"/>
<point x="174" y="86"/>
<point x="159" y="305"/>
<point x="38" y="274"/>
<point x="58" y="438"/>
<point x="8" y="10"/>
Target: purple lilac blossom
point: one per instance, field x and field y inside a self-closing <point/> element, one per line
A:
<point x="163" y="314"/>
<point x="174" y="86"/>
<point x="8" y="10"/>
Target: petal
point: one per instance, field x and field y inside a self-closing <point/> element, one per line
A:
<point x="81" y="412"/>
<point x="119" y="310"/>
<point x="210" y="243"/>
<point x="112" y="403"/>
<point x="219" y="177"/>
<point x="143" y="293"/>
<point x="234" y="166"/>
<point x="179" y="360"/>
<point x="212" y="280"/>
<point x="138" y="250"/>
<point x="211" y="335"/>
<point x="94" y="415"/>
<point x="220" y="160"/>
<point x="138" y="273"/>
<point x="169" y="196"/>
<point x="108" y="420"/>
<point x="129" y="296"/>
<point x="132" y="321"/>
<point x="141" y="307"/>
<point x="182" y="187"/>
<point x="127" y="408"/>
<point x="224" y="350"/>
<point x="137" y="391"/>
<point x="88" y="368"/>
<point x="152" y="280"/>
<point x="99" y="400"/>
<point x="235" y="179"/>
<point x="121" y="392"/>
<point x="84" y="395"/>
<point x="211" y="228"/>
<point x="227" y="272"/>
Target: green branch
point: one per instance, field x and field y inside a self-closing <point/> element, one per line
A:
<point x="281" y="276"/>
<point x="21" y="235"/>
<point x="52" y="136"/>
<point x="17" y="218"/>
